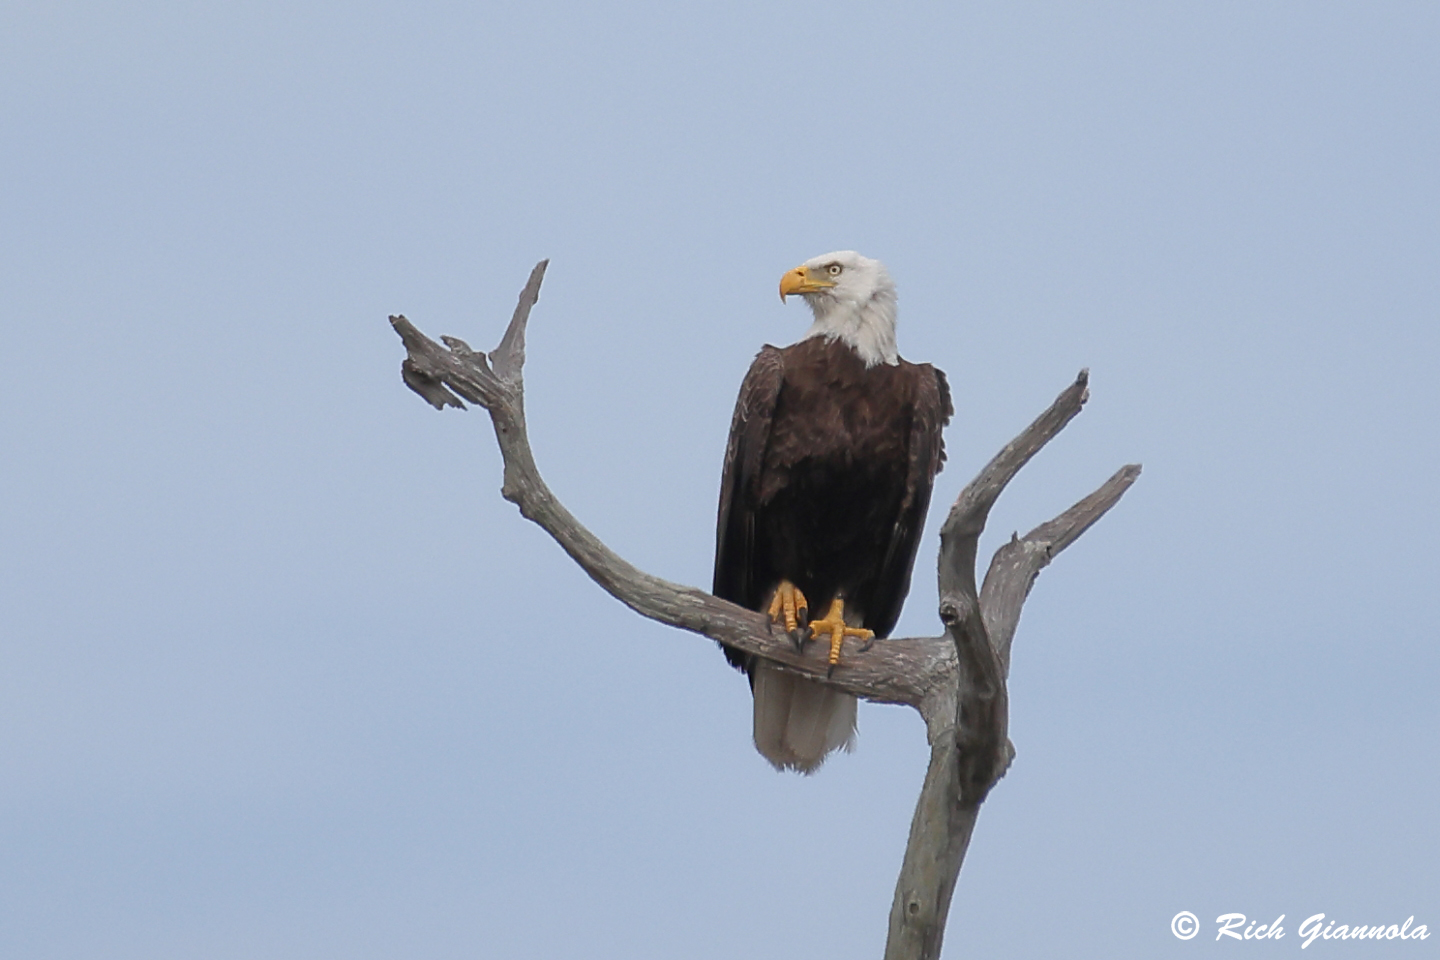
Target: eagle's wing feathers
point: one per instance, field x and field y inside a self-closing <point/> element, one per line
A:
<point x="932" y="411"/>
<point x="744" y="455"/>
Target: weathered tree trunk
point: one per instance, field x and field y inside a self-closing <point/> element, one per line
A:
<point x="957" y="681"/>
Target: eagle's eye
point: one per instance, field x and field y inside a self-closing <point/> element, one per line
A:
<point x="834" y="269"/>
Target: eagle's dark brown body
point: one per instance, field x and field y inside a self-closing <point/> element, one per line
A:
<point x="827" y="480"/>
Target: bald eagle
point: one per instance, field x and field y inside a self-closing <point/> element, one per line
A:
<point x="833" y="452"/>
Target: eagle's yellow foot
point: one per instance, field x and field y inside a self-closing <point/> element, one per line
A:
<point x="792" y="609"/>
<point x="834" y="624"/>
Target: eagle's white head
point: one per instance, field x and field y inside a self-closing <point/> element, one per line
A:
<point x="853" y="299"/>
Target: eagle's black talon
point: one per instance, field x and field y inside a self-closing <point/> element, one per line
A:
<point x="869" y="642"/>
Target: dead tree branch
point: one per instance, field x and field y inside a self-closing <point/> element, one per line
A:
<point x="957" y="681"/>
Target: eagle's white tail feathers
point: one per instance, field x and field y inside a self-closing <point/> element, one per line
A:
<point x="798" y="722"/>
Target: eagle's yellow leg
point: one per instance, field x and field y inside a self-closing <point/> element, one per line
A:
<point x="834" y="624"/>
<point x="789" y="606"/>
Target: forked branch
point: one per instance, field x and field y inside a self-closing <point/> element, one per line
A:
<point x="956" y="681"/>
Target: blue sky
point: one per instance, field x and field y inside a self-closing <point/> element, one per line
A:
<point x="283" y="676"/>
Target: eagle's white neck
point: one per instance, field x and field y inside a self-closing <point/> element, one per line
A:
<point x="868" y="327"/>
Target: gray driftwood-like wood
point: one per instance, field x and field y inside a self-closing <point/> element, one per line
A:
<point x="957" y="681"/>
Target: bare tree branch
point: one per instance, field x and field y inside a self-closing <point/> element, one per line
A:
<point x="968" y="719"/>
<point x="1016" y="565"/>
<point x="957" y="682"/>
<point x="894" y="671"/>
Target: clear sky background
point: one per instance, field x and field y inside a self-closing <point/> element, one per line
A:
<point x="282" y="676"/>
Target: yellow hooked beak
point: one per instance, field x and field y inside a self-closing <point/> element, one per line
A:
<point x="803" y="280"/>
